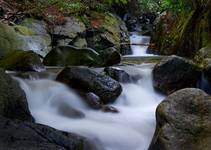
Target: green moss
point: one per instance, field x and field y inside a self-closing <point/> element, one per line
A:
<point x="23" y="30"/>
<point x="186" y="36"/>
<point x="85" y="20"/>
<point x="20" y="60"/>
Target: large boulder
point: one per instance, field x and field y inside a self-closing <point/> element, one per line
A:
<point x="107" y="30"/>
<point x="90" y="81"/>
<point x="69" y="55"/>
<point x="183" y="122"/>
<point x="22" y="61"/>
<point x="13" y="103"/>
<point x="174" y="73"/>
<point x="17" y="135"/>
<point x="30" y="35"/>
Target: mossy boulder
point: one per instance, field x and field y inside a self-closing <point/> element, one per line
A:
<point x="22" y="61"/>
<point x="27" y="37"/>
<point x="70" y="55"/>
<point x="183" y="122"/>
<point x="13" y="102"/>
<point x="109" y="31"/>
<point x="73" y="56"/>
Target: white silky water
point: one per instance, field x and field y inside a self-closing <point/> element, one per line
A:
<point x="130" y="129"/>
<point x="139" y="45"/>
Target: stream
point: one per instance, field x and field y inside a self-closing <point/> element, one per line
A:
<point x="130" y="129"/>
<point x="139" y="50"/>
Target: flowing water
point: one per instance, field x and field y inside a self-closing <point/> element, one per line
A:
<point x="139" y="44"/>
<point x="130" y="129"/>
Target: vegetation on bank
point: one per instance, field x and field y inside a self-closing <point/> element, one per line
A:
<point x="183" y="30"/>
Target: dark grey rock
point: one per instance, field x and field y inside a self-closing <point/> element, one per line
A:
<point x="13" y="102"/>
<point x="174" y="73"/>
<point x="90" y="81"/>
<point x="17" y="135"/>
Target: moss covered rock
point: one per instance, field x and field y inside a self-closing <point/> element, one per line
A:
<point x="73" y="56"/>
<point x="69" y="55"/>
<point x="22" y="61"/>
<point x="109" y="31"/>
<point x="28" y="36"/>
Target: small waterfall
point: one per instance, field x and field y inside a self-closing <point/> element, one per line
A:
<point x="130" y="129"/>
<point x="139" y="50"/>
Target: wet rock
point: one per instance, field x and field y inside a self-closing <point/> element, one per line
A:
<point x="90" y="81"/>
<point x="95" y="103"/>
<point x="174" y="73"/>
<point x="183" y="122"/>
<point x="92" y="100"/>
<point x="16" y="135"/>
<point x="118" y="74"/>
<point x="30" y="35"/>
<point x="70" y="55"/>
<point x="13" y="102"/>
<point x="22" y="61"/>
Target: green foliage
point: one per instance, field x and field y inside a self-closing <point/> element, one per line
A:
<point x="117" y="1"/>
<point x="161" y="5"/>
